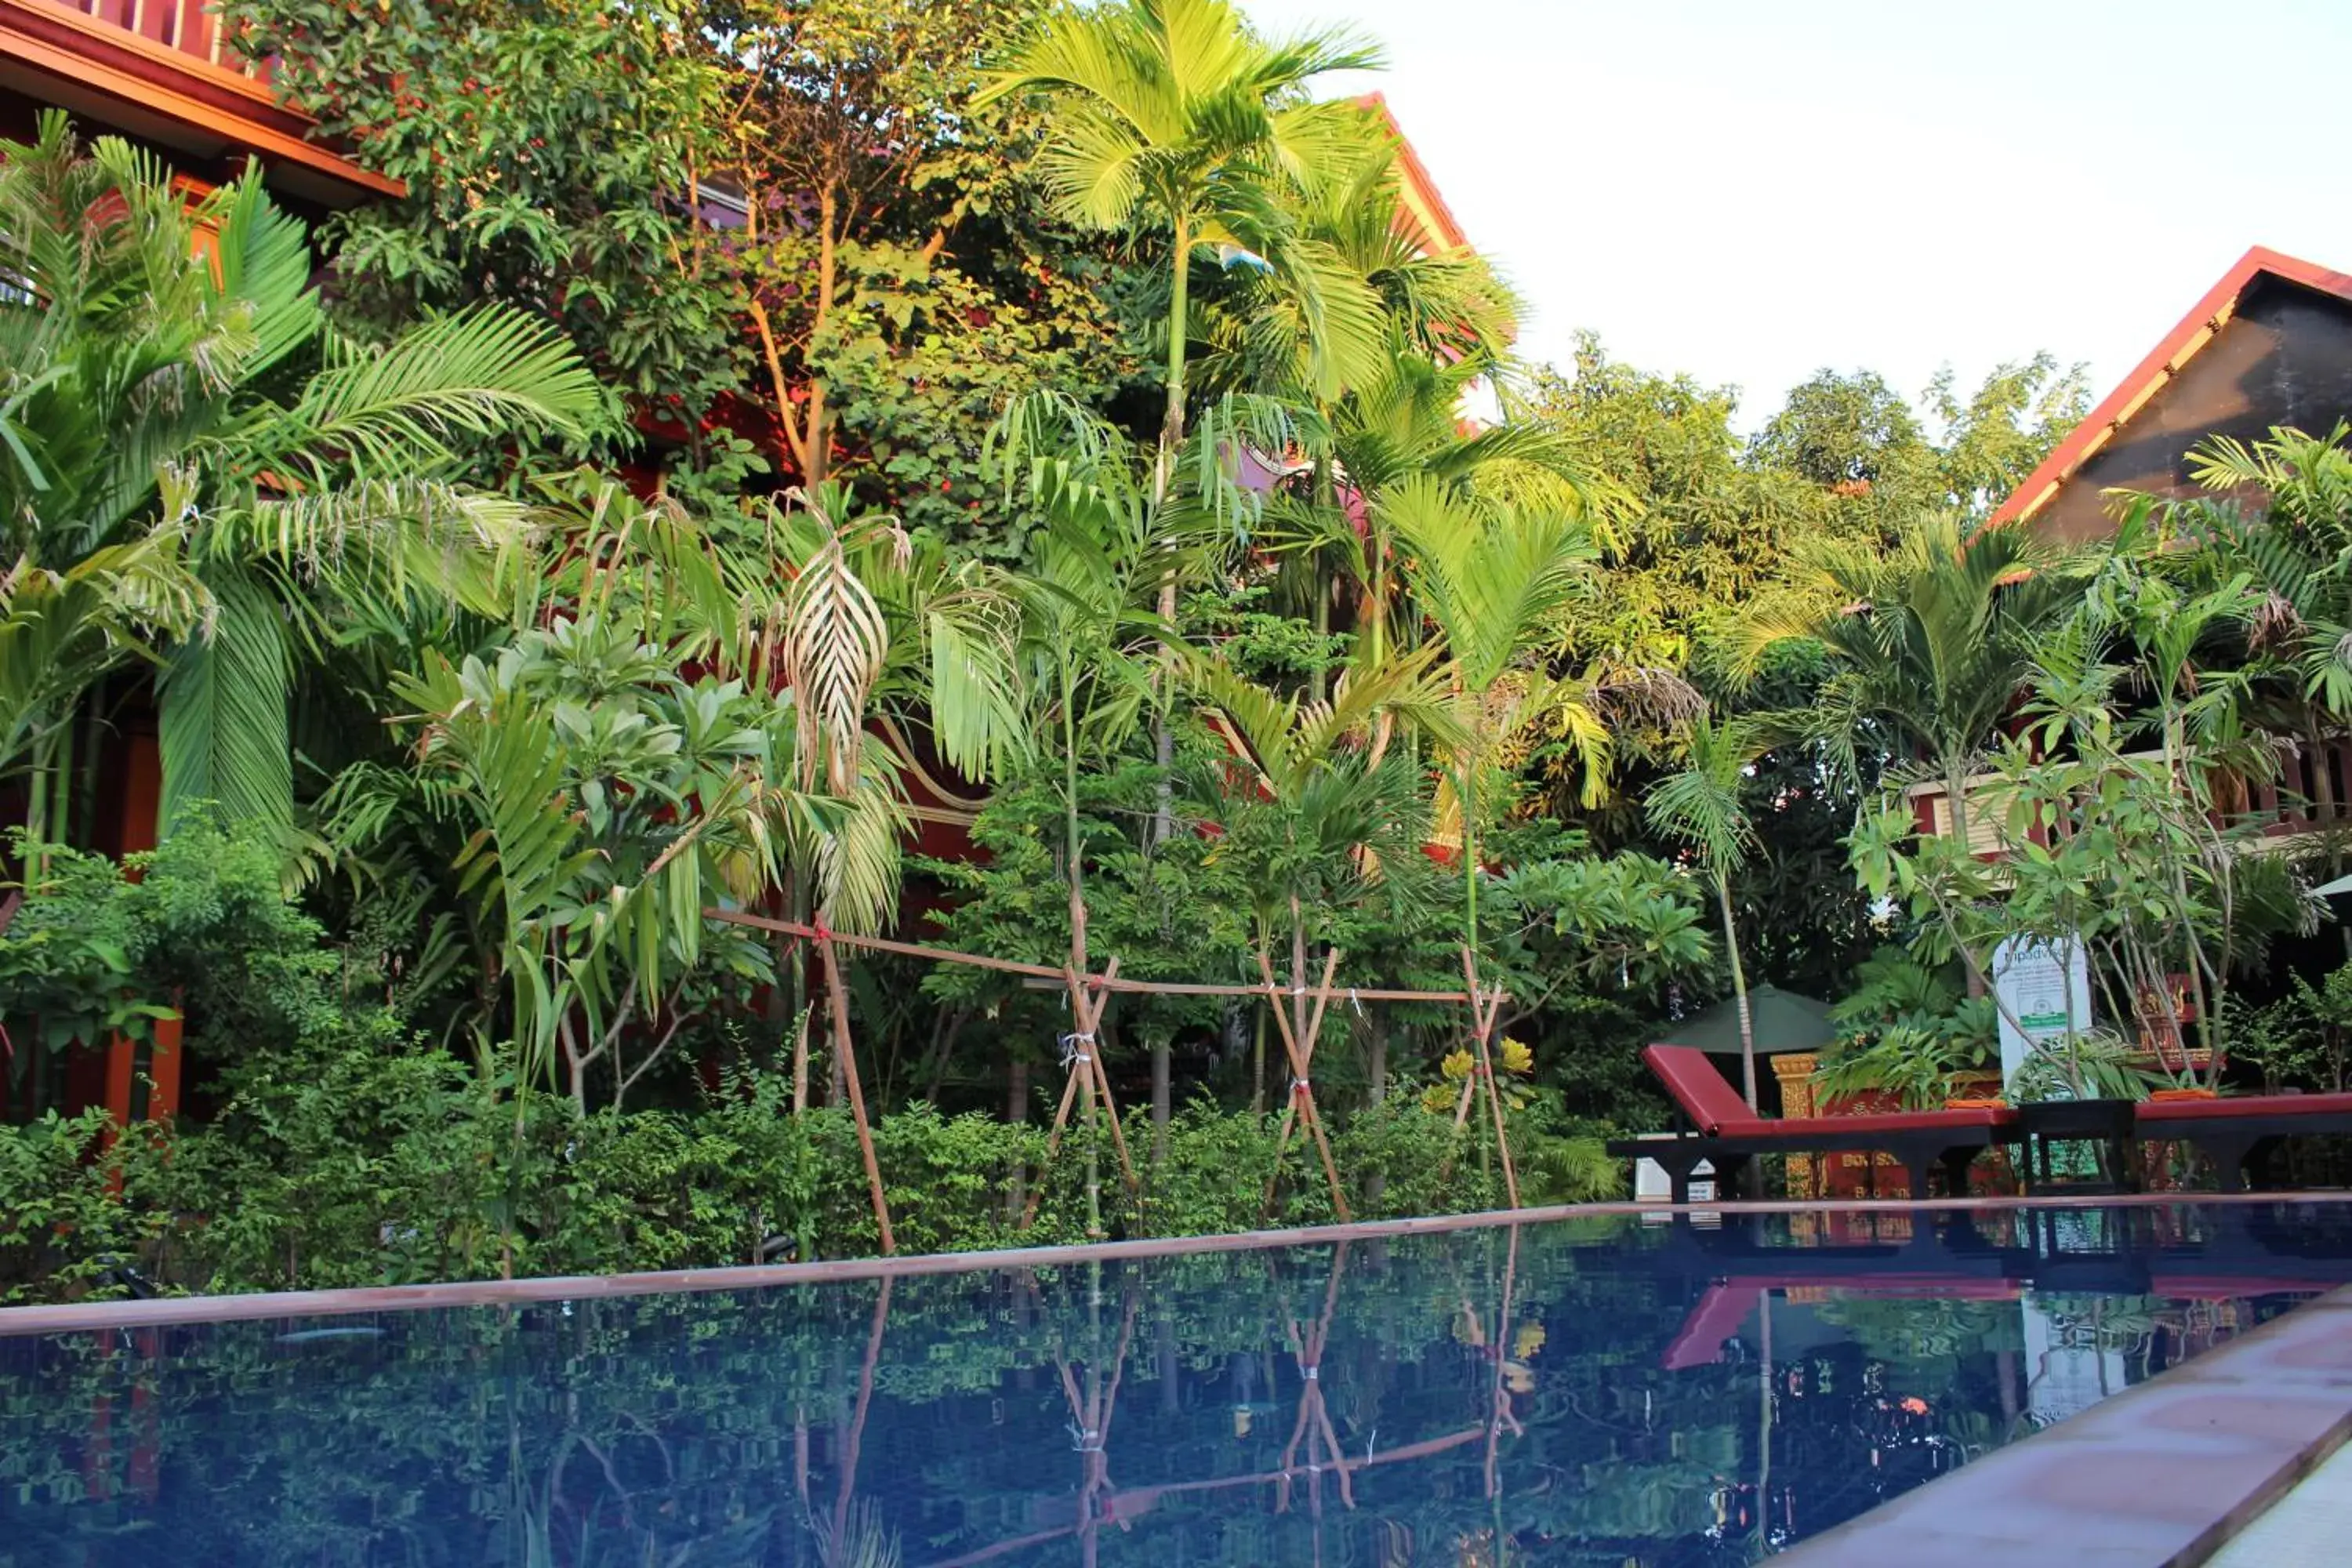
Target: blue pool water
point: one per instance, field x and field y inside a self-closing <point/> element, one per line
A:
<point x="1603" y="1392"/>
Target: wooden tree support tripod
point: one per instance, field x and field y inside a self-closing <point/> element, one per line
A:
<point x="1089" y="994"/>
<point x="1090" y="1417"/>
<point x="1083" y="1057"/>
<point x="1300" y="1030"/>
<point x="1486" y="1006"/>
<point x="1313" y="1424"/>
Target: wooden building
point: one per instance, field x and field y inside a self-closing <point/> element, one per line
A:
<point x="2268" y="346"/>
<point x="162" y="72"/>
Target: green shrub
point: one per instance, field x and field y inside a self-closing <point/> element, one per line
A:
<point x="65" y="1233"/>
<point x="367" y="1158"/>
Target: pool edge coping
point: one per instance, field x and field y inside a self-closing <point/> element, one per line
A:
<point x="162" y="1311"/>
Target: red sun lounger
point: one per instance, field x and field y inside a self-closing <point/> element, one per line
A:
<point x="2230" y="1132"/>
<point x="1728" y="1134"/>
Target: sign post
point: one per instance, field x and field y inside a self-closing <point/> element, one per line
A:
<point x="2044" y="986"/>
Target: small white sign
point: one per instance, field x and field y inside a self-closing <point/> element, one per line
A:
<point x="2044" y="987"/>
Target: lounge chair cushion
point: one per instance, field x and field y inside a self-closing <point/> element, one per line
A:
<point x="1713" y="1105"/>
<point x="2246" y="1105"/>
<point x="1716" y="1108"/>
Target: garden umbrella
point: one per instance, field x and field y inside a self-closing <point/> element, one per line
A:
<point x="1785" y="1022"/>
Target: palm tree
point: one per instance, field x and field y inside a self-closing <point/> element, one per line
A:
<point x="1493" y="576"/>
<point x="1448" y="322"/>
<point x="2298" y="550"/>
<point x="1320" y="766"/>
<point x="1173" y="114"/>
<point x="167" y="374"/>
<point x="1930" y="642"/>
<point x="1700" y="807"/>
<point x="62" y="630"/>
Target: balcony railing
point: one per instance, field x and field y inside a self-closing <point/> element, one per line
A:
<point x="2312" y="793"/>
<point x="186" y="26"/>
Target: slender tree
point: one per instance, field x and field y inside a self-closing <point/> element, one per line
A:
<point x="1700" y="807"/>
<point x="1493" y="576"/>
<point x="1930" y="641"/>
<point x="1172" y="115"/>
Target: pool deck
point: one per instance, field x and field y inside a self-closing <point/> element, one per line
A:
<point x="2305" y="1528"/>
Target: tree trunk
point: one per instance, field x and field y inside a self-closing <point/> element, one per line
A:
<point x="1163" y="477"/>
<point x="1956" y="804"/>
<point x="1163" y="1094"/>
<point x="1467" y="800"/>
<point x="1016" y="1112"/>
<point x="2323" y="789"/>
<point x="796" y="977"/>
<point x="1257" y="1065"/>
<point x="1738" y="990"/>
<point x="1376" y="1094"/>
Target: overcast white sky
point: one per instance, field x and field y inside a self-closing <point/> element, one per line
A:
<point x="1748" y="190"/>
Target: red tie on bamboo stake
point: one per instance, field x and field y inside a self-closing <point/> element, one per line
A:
<point x="1087" y="1001"/>
<point x="1299" y="1042"/>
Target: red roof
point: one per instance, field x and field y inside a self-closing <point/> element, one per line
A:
<point x="1420" y="190"/>
<point x="2164" y="362"/>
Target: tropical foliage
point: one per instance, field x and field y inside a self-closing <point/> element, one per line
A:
<point x="1004" y="477"/>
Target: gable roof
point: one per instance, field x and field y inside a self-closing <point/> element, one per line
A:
<point x="2164" y="362"/>
<point x="1425" y="214"/>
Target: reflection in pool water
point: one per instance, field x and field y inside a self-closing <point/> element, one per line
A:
<point x="1604" y="1391"/>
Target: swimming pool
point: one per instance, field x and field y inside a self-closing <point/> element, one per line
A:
<point x="1597" y="1390"/>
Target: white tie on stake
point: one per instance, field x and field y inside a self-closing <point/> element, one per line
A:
<point x="1090" y="996"/>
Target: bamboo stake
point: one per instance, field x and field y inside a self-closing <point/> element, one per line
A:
<point x="1299" y="1104"/>
<point x="840" y="999"/>
<point x="1053" y="1146"/>
<point x="1485" y="1016"/>
<point x="1089" y="1072"/>
<point x="1051" y="975"/>
<point x="1094" y="1062"/>
<point x="1485" y="1008"/>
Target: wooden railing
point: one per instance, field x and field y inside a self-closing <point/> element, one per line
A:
<point x="188" y="26"/>
<point x="2312" y="793"/>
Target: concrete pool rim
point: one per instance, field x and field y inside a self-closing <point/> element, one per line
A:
<point x="173" y="1310"/>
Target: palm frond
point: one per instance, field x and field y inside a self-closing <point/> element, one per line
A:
<point x="486" y="371"/>
<point x="221" y="713"/>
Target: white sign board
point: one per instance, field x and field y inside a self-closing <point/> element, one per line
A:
<point x="2044" y="986"/>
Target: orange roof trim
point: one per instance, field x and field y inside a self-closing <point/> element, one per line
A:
<point x="1417" y="193"/>
<point x="2164" y="362"/>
